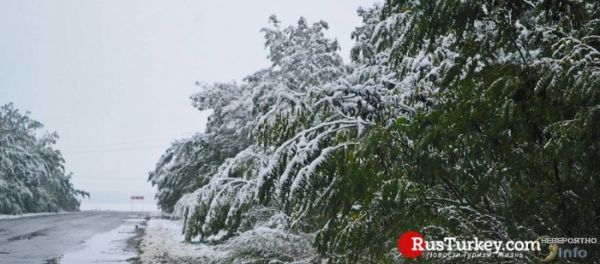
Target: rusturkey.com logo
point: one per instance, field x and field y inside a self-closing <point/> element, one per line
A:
<point x="412" y="244"/>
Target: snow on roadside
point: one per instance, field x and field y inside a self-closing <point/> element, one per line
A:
<point x="3" y="216"/>
<point x="162" y="242"/>
<point x="108" y="247"/>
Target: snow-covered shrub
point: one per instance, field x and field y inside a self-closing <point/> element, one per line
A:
<point x="269" y="241"/>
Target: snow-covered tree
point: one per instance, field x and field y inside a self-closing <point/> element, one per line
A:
<point x="184" y="167"/>
<point x="32" y="175"/>
<point x="506" y="147"/>
<point x="455" y="118"/>
<point x="190" y="163"/>
<point x="280" y="98"/>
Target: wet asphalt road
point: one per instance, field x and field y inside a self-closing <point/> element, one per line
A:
<point x="42" y="239"/>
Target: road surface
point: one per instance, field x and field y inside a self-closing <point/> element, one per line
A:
<point x="46" y="239"/>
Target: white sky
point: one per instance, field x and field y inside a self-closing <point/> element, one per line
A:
<point x="113" y="77"/>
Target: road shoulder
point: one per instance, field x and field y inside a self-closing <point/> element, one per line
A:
<point x="162" y="242"/>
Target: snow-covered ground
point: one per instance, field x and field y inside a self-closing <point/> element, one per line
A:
<point x="162" y="242"/>
<point x="109" y="247"/>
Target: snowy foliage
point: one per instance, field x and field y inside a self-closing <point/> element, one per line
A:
<point x="455" y="118"/>
<point x="280" y="97"/>
<point x="268" y="241"/>
<point x="32" y="175"/>
<point x="190" y="163"/>
<point x="217" y="206"/>
<point x="183" y="168"/>
<point x="507" y="146"/>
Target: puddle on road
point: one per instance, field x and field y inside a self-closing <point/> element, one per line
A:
<point x="109" y="247"/>
<point x="28" y="235"/>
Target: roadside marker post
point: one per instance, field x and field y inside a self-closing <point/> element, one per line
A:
<point x="137" y="198"/>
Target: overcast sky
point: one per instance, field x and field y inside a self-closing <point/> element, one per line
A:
<point x="113" y="77"/>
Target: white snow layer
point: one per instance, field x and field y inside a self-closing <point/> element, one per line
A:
<point x="163" y="242"/>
